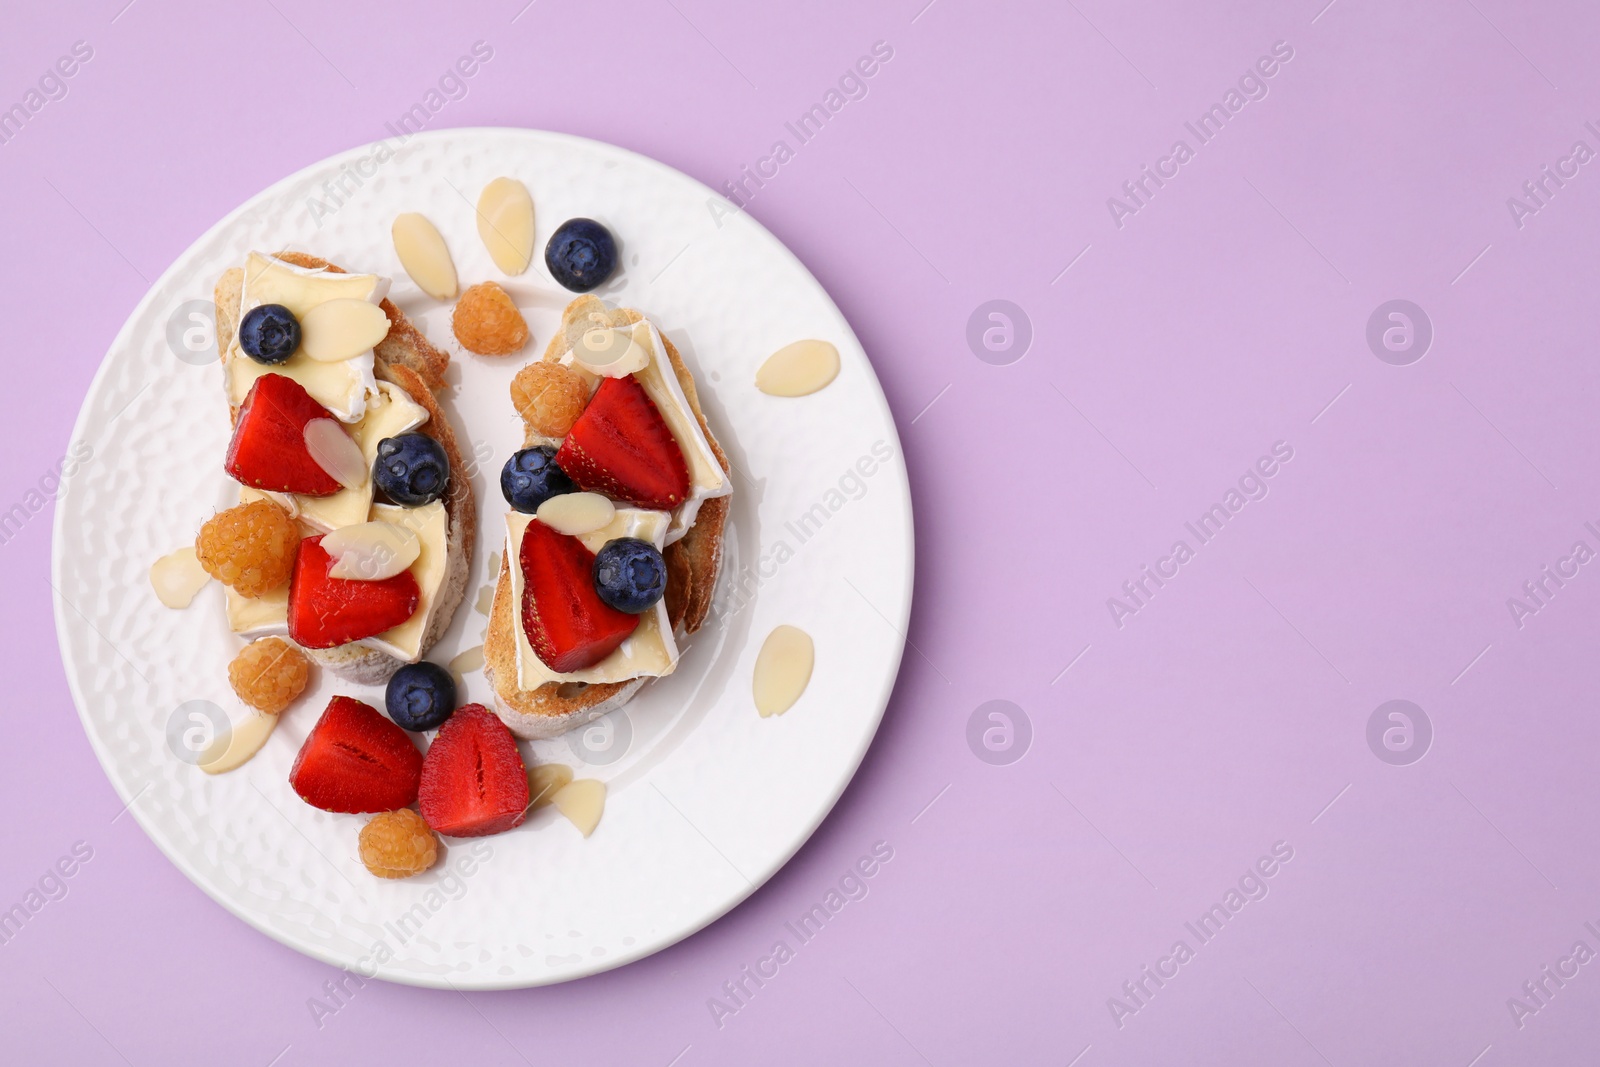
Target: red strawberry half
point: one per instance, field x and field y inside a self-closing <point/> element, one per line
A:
<point x="473" y="781"/>
<point x="567" y="623"/>
<point x="268" y="450"/>
<point x="355" y="760"/>
<point x="620" y="446"/>
<point x="324" y="611"/>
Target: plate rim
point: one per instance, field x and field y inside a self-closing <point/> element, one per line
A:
<point x="645" y="947"/>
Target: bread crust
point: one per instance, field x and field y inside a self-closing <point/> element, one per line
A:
<point x="404" y="358"/>
<point x="693" y="563"/>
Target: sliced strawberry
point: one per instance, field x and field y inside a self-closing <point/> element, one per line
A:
<point x="473" y="781"/>
<point x="325" y="611"/>
<point x="268" y="450"/>
<point x="355" y="760"/>
<point x="621" y="446"/>
<point x="567" y="623"/>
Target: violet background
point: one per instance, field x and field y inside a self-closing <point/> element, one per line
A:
<point x="1220" y="319"/>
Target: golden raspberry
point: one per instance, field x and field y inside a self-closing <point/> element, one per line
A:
<point x="550" y="397"/>
<point x="269" y="674"/>
<point x="487" y="322"/>
<point x="250" y="547"/>
<point x="398" y="844"/>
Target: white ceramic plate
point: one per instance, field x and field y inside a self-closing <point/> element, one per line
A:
<point x="706" y="799"/>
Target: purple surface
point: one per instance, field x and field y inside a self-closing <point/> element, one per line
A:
<point x="1227" y="715"/>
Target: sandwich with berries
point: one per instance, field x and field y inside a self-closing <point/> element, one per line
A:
<point x="354" y="529"/>
<point x="619" y="501"/>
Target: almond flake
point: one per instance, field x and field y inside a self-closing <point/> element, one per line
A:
<point x="544" y="781"/>
<point x="336" y="453"/>
<point x="235" y="747"/>
<point x="505" y="222"/>
<point x="337" y="330"/>
<point x="371" y="551"/>
<point x="424" y="255"/>
<point x="783" y="670"/>
<point x="575" y="514"/>
<point x="177" y="577"/>
<point x="798" y="369"/>
<point x="468" y="661"/>
<point x="582" y="802"/>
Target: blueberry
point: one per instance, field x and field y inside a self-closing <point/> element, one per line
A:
<point x="630" y="575"/>
<point x="420" y="696"/>
<point x="269" y="333"/>
<point x="411" y="469"/>
<point x="531" y="477"/>
<point x="581" y="254"/>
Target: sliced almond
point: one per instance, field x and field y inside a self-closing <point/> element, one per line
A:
<point x="336" y="452"/>
<point x="582" y="802"/>
<point x="544" y="781"/>
<point x="505" y="222"/>
<point x="338" y="330"/>
<point x="783" y="670"/>
<point x="575" y="514"/>
<point x="610" y="353"/>
<point x="371" y="551"/>
<point x="236" y="746"/>
<point x="468" y="661"/>
<point x="798" y="369"/>
<point x="424" y="255"/>
<point x="177" y="577"/>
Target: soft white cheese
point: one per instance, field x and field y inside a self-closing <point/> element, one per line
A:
<point x="707" y="479"/>
<point x="430" y="524"/>
<point x="268" y="615"/>
<point x="650" y="651"/>
<point x="343" y="387"/>
<point x="263" y="616"/>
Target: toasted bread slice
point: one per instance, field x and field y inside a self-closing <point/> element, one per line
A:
<point x="406" y="359"/>
<point x="693" y="562"/>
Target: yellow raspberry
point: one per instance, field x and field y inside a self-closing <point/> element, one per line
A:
<point x="398" y="844"/>
<point x="269" y="674"/>
<point x="486" y="321"/>
<point x="250" y="547"/>
<point x="550" y="397"/>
